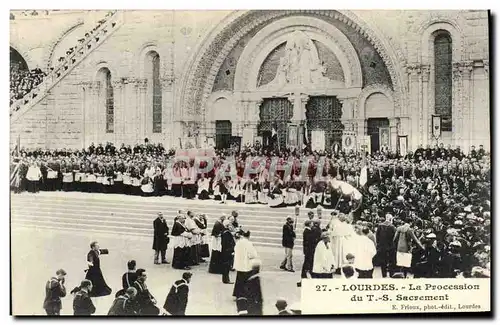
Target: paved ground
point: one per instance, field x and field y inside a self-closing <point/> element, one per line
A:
<point x="37" y="254"/>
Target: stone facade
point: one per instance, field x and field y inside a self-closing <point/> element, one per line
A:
<point x="221" y="65"/>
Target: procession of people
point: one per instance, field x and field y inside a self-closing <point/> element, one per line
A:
<point x="424" y="215"/>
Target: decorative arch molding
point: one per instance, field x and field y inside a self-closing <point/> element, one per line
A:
<point x="374" y="89"/>
<point x="102" y="65"/>
<point x="47" y="60"/>
<point x="213" y="98"/>
<point x="198" y="79"/>
<point x="141" y="54"/>
<point x="427" y="41"/>
<point x="272" y="35"/>
<point x="25" y="54"/>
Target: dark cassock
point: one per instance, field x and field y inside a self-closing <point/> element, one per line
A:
<point x="194" y="240"/>
<point x="160" y="241"/>
<point x="181" y="237"/>
<point x="227" y="243"/>
<point x="177" y="298"/>
<point x="308" y="245"/>
<point x="123" y="305"/>
<point x="144" y="301"/>
<point x="203" y="249"/>
<point x="94" y="274"/>
<point x="253" y="293"/>
<point x="82" y="304"/>
<point x="215" y="259"/>
<point x="128" y="279"/>
<point x="386" y="252"/>
<point x="54" y="291"/>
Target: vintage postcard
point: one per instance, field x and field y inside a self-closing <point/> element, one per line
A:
<point x="249" y="162"/>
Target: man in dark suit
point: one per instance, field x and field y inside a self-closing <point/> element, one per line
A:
<point x="54" y="291"/>
<point x="287" y="241"/>
<point x="161" y="239"/>
<point x="308" y="245"/>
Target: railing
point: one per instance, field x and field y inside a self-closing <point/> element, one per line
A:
<point x="86" y="46"/>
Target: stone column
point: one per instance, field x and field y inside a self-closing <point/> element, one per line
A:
<point x="142" y="120"/>
<point x="426" y="116"/>
<point x="167" y="111"/>
<point x="252" y="112"/>
<point x="94" y="112"/>
<point x="414" y="77"/>
<point x="456" y="108"/>
<point x="118" y="118"/>
<point x="393" y="128"/>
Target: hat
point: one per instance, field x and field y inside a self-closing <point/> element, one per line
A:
<point x="431" y="236"/>
<point x="61" y="272"/>
<point x="456" y="243"/>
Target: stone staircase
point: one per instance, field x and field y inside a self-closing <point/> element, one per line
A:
<point x="98" y="37"/>
<point x="128" y="215"/>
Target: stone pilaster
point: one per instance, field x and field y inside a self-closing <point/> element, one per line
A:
<point x="414" y="79"/>
<point x="119" y="112"/>
<point x="393" y="128"/>
<point x="142" y="110"/>
<point x="426" y="106"/>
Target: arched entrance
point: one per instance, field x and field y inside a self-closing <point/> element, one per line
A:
<point x="17" y="62"/>
<point x="261" y="39"/>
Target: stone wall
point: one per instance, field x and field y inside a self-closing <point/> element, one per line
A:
<point x="70" y="117"/>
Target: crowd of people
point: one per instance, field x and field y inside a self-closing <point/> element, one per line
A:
<point x="426" y="214"/>
<point x="232" y="250"/>
<point x="23" y="81"/>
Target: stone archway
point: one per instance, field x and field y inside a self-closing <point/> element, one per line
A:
<point x="198" y="79"/>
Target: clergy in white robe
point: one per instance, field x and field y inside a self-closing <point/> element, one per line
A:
<point x="323" y="266"/>
<point x="341" y="234"/>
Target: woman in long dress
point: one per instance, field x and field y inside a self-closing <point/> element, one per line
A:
<point x="94" y="273"/>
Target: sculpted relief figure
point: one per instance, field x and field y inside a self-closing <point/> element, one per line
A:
<point x="300" y="65"/>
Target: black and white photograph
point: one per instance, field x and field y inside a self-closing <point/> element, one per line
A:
<point x="216" y="162"/>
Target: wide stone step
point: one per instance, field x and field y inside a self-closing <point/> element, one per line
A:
<point x="132" y="215"/>
<point x="113" y="229"/>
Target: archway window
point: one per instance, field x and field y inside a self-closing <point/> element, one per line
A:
<point x="443" y="78"/>
<point x="108" y="98"/>
<point x="153" y="76"/>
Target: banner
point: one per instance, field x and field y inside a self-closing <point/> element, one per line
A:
<point x="366" y="143"/>
<point x="436" y="126"/>
<point x="293" y="135"/>
<point x="384" y="138"/>
<point x="403" y="145"/>
<point x="248" y="137"/>
<point x="348" y="141"/>
<point x="317" y="140"/>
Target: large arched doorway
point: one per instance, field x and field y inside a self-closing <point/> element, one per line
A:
<point x="17" y="62"/>
<point x="241" y="59"/>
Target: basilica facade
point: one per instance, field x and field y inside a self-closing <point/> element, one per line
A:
<point x="360" y="80"/>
